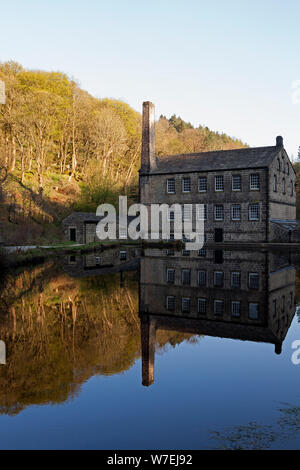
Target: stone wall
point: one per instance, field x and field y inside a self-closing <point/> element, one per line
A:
<point x="153" y="190"/>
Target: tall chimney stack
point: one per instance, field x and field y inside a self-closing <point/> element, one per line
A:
<point x="279" y="141"/>
<point x="148" y="137"/>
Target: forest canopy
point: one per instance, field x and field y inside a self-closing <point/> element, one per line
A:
<point x="64" y="149"/>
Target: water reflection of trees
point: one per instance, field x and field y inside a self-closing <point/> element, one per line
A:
<point x="60" y="331"/>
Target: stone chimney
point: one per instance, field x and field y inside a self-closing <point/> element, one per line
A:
<point x="148" y="137"/>
<point x="279" y="141"/>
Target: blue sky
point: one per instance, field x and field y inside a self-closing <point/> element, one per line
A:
<point x="229" y="64"/>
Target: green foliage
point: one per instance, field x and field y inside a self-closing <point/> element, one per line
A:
<point x="64" y="149"/>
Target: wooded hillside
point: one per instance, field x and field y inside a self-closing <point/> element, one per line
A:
<point x="65" y="150"/>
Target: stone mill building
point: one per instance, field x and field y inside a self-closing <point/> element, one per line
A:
<point x="248" y="194"/>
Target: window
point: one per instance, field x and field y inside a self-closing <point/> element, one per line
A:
<point x="171" y="303"/>
<point x="186" y="277"/>
<point x="202" y="184"/>
<point x="219" y="307"/>
<point x="253" y="311"/>
<point x="236" y="183"/>
<point x="253" y="281"/>
<point x="171" y="215"/>
<point x="275" y="184"/>
<point x="274" y="308"/>
<point x="283" y="185"/>
<point x="171" y="276"/>
<point x="170" y="252"/>
<point x="219" y="183"/>
<point x="254" y="212"/>
<point x="186" y="252"/>
<point x="123" y="232"/>
<point x="218" y="278"/>
<point x="123" y="255"/>
<point x="236" y="279"/>
<point x="201" y="278"/>
<point x="202" y="306"/>
<point x="236" y="309"/>
<point x="202" y="253"/>
<point x="292" y="188"/>
<point x="171" y="186"/>
<point x="254" y="181"/>
<point x="236" y="212"/>
<point x="187" y="212"/>
<point x="171" y="237"/>
<point x="201" y="212"/>
<point x="219" y="212"/>
<point x="278" y="164"/>
<point x="288" y="168"/>
<point x="185" y="304"/>
<point x="186" y="185"/>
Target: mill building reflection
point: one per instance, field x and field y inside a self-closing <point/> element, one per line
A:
<point x="243" y="295"/>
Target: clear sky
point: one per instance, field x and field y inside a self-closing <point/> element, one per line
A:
<point x="229" y="64"/>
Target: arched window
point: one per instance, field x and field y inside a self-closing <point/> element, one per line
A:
<point x="283" y="185"/>
<point x="279" y="166"/>
<point x="275" y="184"/>
<point x="292" y="188"/>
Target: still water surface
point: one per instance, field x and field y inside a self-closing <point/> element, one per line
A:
<point x="152" y="350"/>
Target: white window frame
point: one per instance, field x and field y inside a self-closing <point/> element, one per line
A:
<point x="171" y="270"/>
<point x="240" y="183"/>
<point x="250" y="215"/>
<point x="169" y="298"/>
<point x="218" y="206"/>
<point x="219" y="178"/>
<point x="255" y="186"/>
<point x="168" y="190"/>
<point x="234" y="207"/>
<point x="185" y="179"/>
<point x="202" y="178"/>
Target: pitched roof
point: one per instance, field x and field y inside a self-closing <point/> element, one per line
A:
<point x="256" y="157"/>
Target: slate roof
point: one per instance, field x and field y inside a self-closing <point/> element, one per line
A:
<point x="255" y="157"/>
